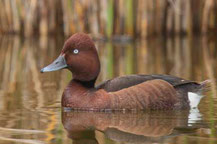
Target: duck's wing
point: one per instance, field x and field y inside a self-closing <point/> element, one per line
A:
<point x="131" y="80"/>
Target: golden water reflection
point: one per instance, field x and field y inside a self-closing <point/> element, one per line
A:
<point x="30" y="101"/>
<point x="158" y="126"/>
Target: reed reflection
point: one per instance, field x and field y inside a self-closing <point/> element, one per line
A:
<point x="24" y="92"/>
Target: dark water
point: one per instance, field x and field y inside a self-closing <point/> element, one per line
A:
<point x="30" y="109"/>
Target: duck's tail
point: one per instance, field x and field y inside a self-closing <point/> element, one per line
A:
<point x="195" y="97"/>
<point x="205" y="85"/>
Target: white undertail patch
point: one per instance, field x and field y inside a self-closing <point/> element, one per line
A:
<point x="194" y="99"/>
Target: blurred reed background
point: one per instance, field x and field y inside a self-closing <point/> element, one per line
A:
<point x="108" y="18"/>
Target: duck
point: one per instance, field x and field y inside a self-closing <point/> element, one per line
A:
<point x="130" y="92"/>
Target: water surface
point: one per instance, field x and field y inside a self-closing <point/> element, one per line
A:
<point x="30" y="110"/>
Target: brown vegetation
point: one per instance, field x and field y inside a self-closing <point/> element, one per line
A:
<point x="133" y="18"/>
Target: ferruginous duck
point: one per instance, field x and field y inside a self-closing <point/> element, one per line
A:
<point x="132" y="92"/>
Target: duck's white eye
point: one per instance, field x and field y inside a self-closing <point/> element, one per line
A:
<point x="75" y="51"/>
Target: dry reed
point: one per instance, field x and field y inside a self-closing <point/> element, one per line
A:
<point x="108" y="18"/>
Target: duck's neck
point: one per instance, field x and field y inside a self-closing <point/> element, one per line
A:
<point x="87" y="84"/>
<point x="82" y="94"/>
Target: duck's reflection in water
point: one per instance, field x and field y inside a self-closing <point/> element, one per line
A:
<point x="150" y="126"/>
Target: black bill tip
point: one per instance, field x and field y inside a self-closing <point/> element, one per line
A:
<point x="42" y="70"/>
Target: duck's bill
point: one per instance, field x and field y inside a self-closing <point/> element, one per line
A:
<point x="59" y="63"/>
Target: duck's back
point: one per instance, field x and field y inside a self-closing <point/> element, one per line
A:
<point x="151" y="91"/>
<point x="122" y="82"/>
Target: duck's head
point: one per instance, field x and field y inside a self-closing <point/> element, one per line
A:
<point x="79" y="55"/>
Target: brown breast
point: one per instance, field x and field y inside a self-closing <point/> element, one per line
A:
<point x="153" y="94"/>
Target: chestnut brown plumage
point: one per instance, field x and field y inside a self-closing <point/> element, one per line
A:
<point x="79" y="55"/>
